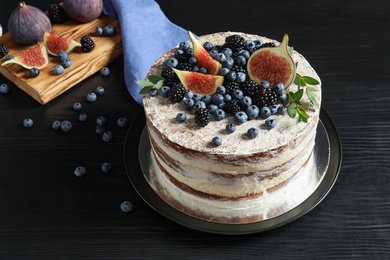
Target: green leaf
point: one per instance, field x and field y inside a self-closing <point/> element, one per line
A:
<point x="302" y="114"/>
<point x="297" y="95"/>
<point x="292" y="110"/>
<point x="310" y="94"/>
<point x="309" y="80"/>
<point x="145" y="90"/>
<point x="159" y="84"/>
<point x="155" y="79"/>
<point x="291" y="51"/>
<point x="298" y="81"/>
<point x="144" y="83"/>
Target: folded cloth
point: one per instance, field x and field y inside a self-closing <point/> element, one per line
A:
<point x="146" y="34"/>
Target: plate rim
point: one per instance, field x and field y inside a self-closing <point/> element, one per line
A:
<point x="146" y="192"/>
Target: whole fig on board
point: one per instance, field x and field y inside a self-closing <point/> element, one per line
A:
<point x="27" y="24"/>
<point x="83" y="11"/>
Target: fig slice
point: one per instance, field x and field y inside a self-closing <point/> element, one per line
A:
<point x="55" y="43"/>
<point x="34" y="57"/>
<point x="273" y="64"/>
<point x="203" y="57"/>
<point x="199" y="83"/>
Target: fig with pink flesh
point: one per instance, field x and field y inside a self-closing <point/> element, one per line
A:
<point x="34" y="57"/>
<point x="55" y="43"/>
<point x="27" y="24"/>
<point x="203" y="57"/>
<point x="272" y="64"/>
<point x="82" y="10"/>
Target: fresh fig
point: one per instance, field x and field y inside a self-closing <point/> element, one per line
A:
<point x="34" y="57"/>
<point x="203" y="57"/>
<point x="273" y="64"/>
<point x="27" y="24"/>
<point x="83" y="11"/>
<point x="55" y="43"/>
<point x="199" y="83"/>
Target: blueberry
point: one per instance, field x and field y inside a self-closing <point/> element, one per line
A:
<point x="199" y="104"/>
<point x="83" y="117"/>
<point x="227" y="97"/>
<point x="221" y="90"/>
<point x="189" y="103"/>
<point x="62" y="55"/>
<point x="252" y="111"/>
<point x="216" y="141"/>
<point x="109" y="30"/>
<point x="122" y="122"/>
<point x="265" y="112"/>
<point x="153" y="92"/>
<point x="230" y="128"/>
<point x="189" y="94"/>
<point x="219" y="114"/>
<point x="203" y="70"/>
<point x="105" y="71"/>
<point x="249" y="45"/>
<point x="28" y="122"/>
<point x="77" y="106"/>
<point x="34" y="72"/>
<point x="246" y="101"/>
<point x="213" y="53"/>
<point x="66" y="126"/>
<point x="221" y="57"/>
<point x="283" y="98"/>
<point x="221" y="105"/>
<point x="240" y="77"/>
<point x="9" y="57"/>
<point x="218" y="98"/>
<point x="184" y="45"/>
<point x="207" y="99"/>
<point x="264" y="84"/>
<point x="101" y="120"/>
<point x="100" y="90"/>
<point x="196" y="97"/>
<point x="227" y="51"/>
<point x="59" y="69"/>
<point x="107" y="136"/>
<point x="228" y="63"/>
<point x="56" y="125"/>
<point x="179" y="53"/>
<point x="279" y="88"/>
<point x="237" y="94"/>
<point x="164" y="91"/>
<point x="258" y="44"/>
<point x="172" y="62"/>
<point x="240" y="60"/>
<point x="223" y="71"/>
<point x="189" y="52"/>
<point x="193" y="60"/>
<point x="66" y="63"/>
<point x="252" y="133"/>
<point x="106" y="167"/>
<point x="91" y="97"/>
<point x="274" y="109"/>
<point x="80" y="171"/>
<point x="127" y="206"/>
<point x="282" y="110"/>
<point x="231" y="76"/>
<point x="4" y="88"/>
<point x="99" y="31"/>
<point x="212" y="108"/>
<point x="208" y="46"/>
<point x="270" y="123"/>
<point x="100" y="129"/>
<point x="240" y="117"/>
<point x="245" y="53"/>
<point x="181" y="117"/>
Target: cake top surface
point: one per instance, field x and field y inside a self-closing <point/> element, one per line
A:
<point x="161" y="113"/>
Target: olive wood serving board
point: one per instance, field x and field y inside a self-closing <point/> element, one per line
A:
<point x="47" y="86"/>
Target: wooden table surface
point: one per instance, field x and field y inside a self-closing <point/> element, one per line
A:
<point x="48" y="213"/>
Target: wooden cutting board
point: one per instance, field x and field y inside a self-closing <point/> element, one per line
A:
<point x="47" y="85"/>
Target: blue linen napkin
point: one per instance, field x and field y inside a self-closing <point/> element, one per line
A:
<point x="146" y="34"/>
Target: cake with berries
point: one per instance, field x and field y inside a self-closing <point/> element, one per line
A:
<point x="233" y="153"/>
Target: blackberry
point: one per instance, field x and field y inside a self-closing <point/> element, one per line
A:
<point x="238" y="68"/>
<point x="232" y="107"/>
<point x="231" y="86"/>
<point x="268" y="45"/>
<point x="250" y="88"/>
<point x="57" y="14"/>
<point x="176" y="92"/>
<point x="235" y="42"/>
<point x="3" y="50"/>
<point x="181" y="55"/>
<point x="202" y="117"/>
<point x="87" y="44"/>
<point x="184" y="66"/>
<point x="265" y="98"/>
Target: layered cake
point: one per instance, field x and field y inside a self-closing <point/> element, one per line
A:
<point x="221" y="166"/>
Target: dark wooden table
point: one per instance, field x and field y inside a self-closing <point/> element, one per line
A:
<point x="46" y="212"/>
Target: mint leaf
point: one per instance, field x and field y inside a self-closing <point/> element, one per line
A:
<point x="159" y="84"/>
<point x="302" y="114"/>
<point x="292" y="110"/>
<point x="309" y="80"/>
<point x="310" y="94"/>
<point x="297" y="95"/>
<point x="155" y="79"/>
<point x="144" y="83"/>
<point x="146" y="89"/>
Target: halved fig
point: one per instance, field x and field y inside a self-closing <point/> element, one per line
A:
<point x="35" y="56"/>
<point x="55" y="43"/>
<point x="273" y="64"/>
<point x="203" y="57"/>
<point x="199" y="83"/>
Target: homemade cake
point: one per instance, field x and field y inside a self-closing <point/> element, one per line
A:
<point x="240" y="177"/>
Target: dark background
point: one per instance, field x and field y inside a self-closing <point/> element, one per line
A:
<point x="46" y="212"/>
